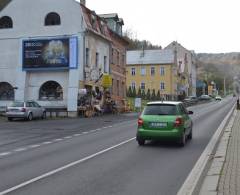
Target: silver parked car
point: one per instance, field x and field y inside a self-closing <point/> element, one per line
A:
<point x="26" y="110"/>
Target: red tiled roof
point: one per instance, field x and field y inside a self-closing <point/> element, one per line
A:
<point x="99" y="27"/>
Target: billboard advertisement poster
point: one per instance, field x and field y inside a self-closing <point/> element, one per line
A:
<point x="55" y="53"/>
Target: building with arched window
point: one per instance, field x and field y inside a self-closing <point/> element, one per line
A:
<point x="52" y="52"/>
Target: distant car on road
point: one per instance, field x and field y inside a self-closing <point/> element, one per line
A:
<point x="164" y="120"/>
<point x="218" y="98"/>
<point x="204" y="97"/>
<point x="191" y="100"/>
<point x="25" y="110"/>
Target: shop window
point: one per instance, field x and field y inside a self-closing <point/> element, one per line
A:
<point x="6" y="91"/>
<point x="52" y="19"/>
<point x="51" y="90"/>
<point x="6" y="22"/>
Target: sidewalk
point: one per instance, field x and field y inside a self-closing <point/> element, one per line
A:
<point x="229" y="183"/>
<point x="223" y="177"/>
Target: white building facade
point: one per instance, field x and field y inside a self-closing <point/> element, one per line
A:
<point x="43" y="52"/>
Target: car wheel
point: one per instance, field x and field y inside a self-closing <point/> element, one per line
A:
<point x="190" y="134"/>
<point x="44" y="115"/>
<point x="182" y="140"/>
<point x="140" y="141"/>
<point x="10" y="119"/>
<point x="30" y="116"/>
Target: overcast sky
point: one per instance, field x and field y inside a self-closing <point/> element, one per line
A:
<point x="211" y="26"/>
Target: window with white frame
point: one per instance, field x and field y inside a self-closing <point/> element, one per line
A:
<point x="143" y="71"/>
<point x="142" y="86"/>
<point x="133" y="71"/>
<point x="152" y="71"/>
<point x="162" y="71"/>
<point x="162" y="86"/>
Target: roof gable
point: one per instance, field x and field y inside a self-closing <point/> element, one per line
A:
<point x="165" y="56"/>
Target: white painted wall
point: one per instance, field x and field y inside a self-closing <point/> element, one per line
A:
<point x="28" y="22"/>
<point x="96" y="44"/>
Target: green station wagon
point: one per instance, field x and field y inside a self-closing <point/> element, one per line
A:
<point x="165" y="119"/>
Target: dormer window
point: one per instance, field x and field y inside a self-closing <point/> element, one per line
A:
<point x="52" y="19"/>
<point x="94" y="21"/>
<point x="102" y="27"/>
<point x="6" y="22"/>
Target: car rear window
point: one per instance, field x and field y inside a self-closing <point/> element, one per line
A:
<point x="17" y="104"/>
<point x="160" y="109"/>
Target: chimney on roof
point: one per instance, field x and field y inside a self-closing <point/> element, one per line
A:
<point x="83" y="2"/>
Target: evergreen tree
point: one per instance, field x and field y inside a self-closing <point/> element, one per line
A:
<point x="129" y="92"/>
<point x="148" y="96"/>
<point x="134" y="94"/>
<point x="143" y="94"/>
<point x="158" y="95"/>
<point x="153" y="97"/>
<point x="139" y="94"/>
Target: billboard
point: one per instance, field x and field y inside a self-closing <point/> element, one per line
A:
<point x="57" y="53"/>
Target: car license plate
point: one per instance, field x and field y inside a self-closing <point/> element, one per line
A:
<point x="158" y="125"/>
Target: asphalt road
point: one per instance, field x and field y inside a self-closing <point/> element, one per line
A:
<point x="99" y="155"/>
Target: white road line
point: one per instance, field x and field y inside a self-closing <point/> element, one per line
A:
<point x="57" y="140"/>
<point x="76" y="135"/>
<point x="20" y="150"/>
<point x="63" y="168"/>
<point x="93" y="131"/>
<point x="5" y="153"/>
<point x="34" y="146"/>
<point x="46" y="143"/>
<point x="85" y="132"/>
<point x="68" y="137"/>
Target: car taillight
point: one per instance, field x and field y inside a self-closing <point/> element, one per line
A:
<point x="178" y="122"/>
<point x="23" y="109"/>
<point x="140" y="122"/>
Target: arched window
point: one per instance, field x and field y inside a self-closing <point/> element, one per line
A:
<point x="52" y="19"/>
<point x="6" y="22"/>
<point x="51" y="90"/>
<point x="6" y="91"/>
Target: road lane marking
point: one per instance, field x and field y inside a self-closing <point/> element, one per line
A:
<point x="46" y="143"/>
<point x="64" y="167"/>
<point x="57" y="140"/>
<point x="20" y="149"/>
<point x="62" y="139"/>
<point x="68" y="137"/>
<point x="5" y="153"/>
<point x="34" y="146"/>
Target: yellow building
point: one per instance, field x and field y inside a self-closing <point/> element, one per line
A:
<point x="152" y="69"/>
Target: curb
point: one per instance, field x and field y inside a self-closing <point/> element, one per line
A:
<point x="211" y="180"/>
<point x="193" y="183"/>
